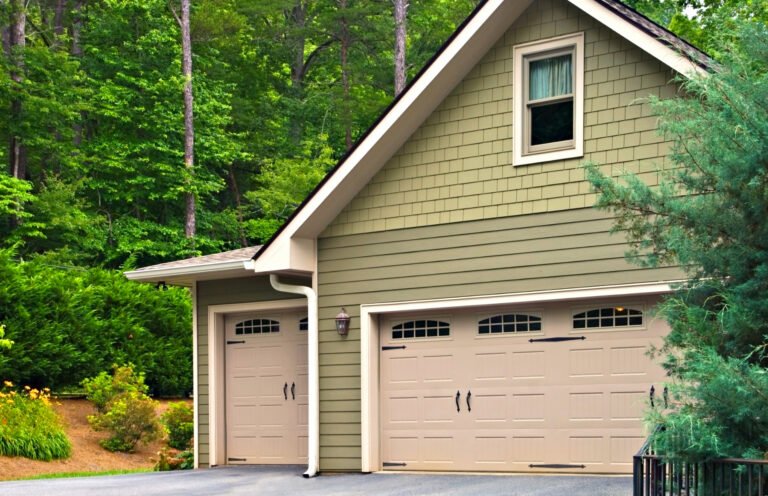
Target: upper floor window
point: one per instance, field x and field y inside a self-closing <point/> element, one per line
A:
<point x="602" y="318"/>
<point x="257" y="326"/>
<point x="549" y="100"/>
<point x="509" y="323"/>
<point x="421" y="329"/>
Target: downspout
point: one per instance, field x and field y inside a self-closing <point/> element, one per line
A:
<point x="313" y="379"/>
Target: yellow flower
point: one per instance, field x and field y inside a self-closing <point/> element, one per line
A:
<point x="7" y="383"/>
<point x="46" y="389"/>
<point x="26" y="388"/>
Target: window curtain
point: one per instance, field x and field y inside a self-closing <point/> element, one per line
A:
<point x="550" y="77"/>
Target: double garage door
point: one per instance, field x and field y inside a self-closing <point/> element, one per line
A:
<point x="557" y="387"/>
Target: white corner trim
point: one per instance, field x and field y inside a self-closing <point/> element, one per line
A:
<point x="216" y="400"/>
<point x="195" y="380"/>
<point x="369" y="342"/>
<point x="638" y="37"/>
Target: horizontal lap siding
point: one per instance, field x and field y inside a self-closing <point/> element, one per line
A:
<point x="495" y="256"/>
<point x="223" y="292"/>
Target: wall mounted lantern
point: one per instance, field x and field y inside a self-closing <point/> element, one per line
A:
<point x="342" y="322"/>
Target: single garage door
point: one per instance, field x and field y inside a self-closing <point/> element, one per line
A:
<point x="266" y="388"/>
<point x="556" y="387"/>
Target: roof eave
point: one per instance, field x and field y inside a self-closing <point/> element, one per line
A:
<point x="188" y="273"/>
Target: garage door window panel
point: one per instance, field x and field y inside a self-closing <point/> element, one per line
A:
<point x="510" y="323"/>
<point x="608" y="318"/>
<point x="420" y="329"/>
<point x="257" y="326"/>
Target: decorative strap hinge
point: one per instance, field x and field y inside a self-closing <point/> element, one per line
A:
<point x="555" y="465"/>
<point x="386" y="348"/>
<point x="393" y="464"/>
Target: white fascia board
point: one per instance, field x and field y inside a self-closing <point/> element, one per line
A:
<point x="156" y="275"/>
<point x="661" y="287"/>
<point x="661" y="51"/>
<point x="413" y="108"/>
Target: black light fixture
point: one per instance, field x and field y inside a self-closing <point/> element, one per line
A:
<point x="342" y="322"/>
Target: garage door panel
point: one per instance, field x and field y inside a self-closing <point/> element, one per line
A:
<point x="266" y="387"/>
<point x="534" y="400"/>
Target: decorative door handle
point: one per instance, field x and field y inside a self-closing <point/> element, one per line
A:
<point x="293" y="390"/>
<point x="285" y="390"/>
<point x="458" y="399"/>
<point x="469" y="405"/>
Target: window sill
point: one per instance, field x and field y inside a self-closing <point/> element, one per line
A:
<point x="537" y="158"/>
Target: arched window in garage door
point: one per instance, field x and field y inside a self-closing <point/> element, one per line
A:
<point x="608" y="317"/>
<point x="257" y="326"/>
<point x="509" y="323"/>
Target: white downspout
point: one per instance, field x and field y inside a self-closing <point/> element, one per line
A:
<point x="313" y="379"/>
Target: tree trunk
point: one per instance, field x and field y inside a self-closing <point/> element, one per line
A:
<point x="17" y="156"/>
<point x="189" y="126"/>
<point x="297" y="19"/>
<point x="77" y="27"/>
<point x="346" y="40"/>
<point x="401" y="12"/>
<point x="58" y="18"/>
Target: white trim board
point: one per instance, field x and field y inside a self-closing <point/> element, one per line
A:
<point x="216" y="380"/>
<point x="369" y="341"/>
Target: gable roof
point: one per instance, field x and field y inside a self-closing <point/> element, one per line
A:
<point x="479" y="32"/>
<point x="291" y="248"/>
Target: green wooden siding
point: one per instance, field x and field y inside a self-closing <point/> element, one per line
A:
<point x="224" y="292"/>
<point x="457" y="167"/>
<point x="537" y="252"/>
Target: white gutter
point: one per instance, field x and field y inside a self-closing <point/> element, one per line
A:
<point x="313" y="380"/>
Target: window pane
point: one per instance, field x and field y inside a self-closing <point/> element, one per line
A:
<point x="550" y="77"/>
<point x="552" y="123"/>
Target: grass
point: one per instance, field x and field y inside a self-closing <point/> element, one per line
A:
<point x="69" y="475"/>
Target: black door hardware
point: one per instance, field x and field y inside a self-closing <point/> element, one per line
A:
<point x="236" y="459"/>
<point x="555" y="465"/>
<point x="458" y="398"/>
<point x="293" y="390"/>
<point x="235" y="342"/>
<point x="400" y="347"/>
<point x="393" y="464"/>
<point x="285" y="390"/>
<point x="469" y="405"/>
<point x="557" y="339"/>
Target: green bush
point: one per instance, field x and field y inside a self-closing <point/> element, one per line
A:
<point x="29" y="426"/>
<point x="123" y="408"/>
<point x="130" y="418"/>
<point x="104" y="387"/>
<point x="174" y="460"/>
<point x="69" y="324"/>
<point x="179" y="423"/>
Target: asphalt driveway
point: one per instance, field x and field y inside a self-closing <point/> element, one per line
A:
<point x="278" y="481"/>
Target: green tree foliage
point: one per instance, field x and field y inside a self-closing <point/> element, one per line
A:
<point x="708" y="216"/>
<point x="71" y="323"/>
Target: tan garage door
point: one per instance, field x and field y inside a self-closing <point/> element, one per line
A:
<point x="266" y="388"/>
<point x="549" y="388"/>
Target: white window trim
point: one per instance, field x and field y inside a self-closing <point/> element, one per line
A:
<point x="520" y="53"/>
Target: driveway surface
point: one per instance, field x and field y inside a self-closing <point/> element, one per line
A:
<point x="279" y="481"/>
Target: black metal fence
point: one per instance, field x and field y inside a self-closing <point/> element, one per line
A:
<point x="657" y="476"/>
